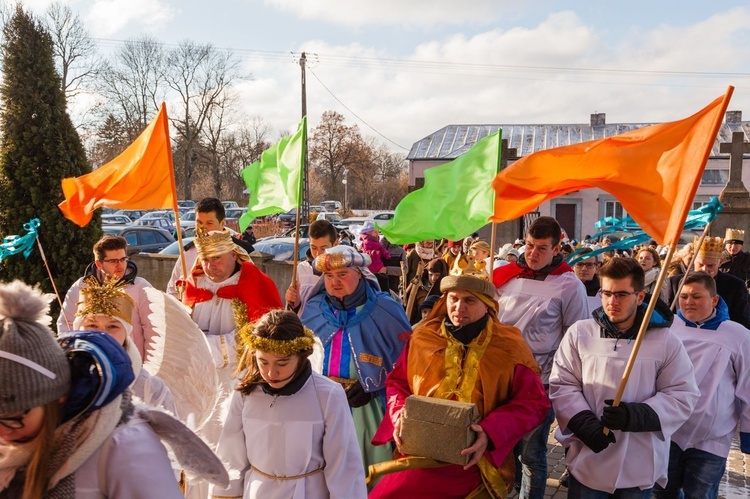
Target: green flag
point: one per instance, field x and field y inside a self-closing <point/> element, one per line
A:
<point x="456" y="200"/>
<point x="275" y="182"/>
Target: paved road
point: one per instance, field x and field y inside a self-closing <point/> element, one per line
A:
<point x="735" y="485"/>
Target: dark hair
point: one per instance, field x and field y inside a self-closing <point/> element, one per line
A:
<point x="322" y="228"/>
<point x="108" y="243"/>
<point x="567" y="247"/>
<point x="276" y="325"/>
<point x="586" y="250"/>
<point x="620" y="268"/>
<point x="208" y="205"/>
<point x="704" y="279"/>
<point x="546" y="227"/>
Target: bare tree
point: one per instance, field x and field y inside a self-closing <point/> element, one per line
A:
<point x="75" y="52"/>
<point x="333" y="148"/>
<point x="133" y="84"/>
<point x="200" y="76"/>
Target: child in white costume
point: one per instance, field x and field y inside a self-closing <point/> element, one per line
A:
<point x="288" y="432"/>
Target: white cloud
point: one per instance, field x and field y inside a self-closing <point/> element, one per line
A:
<point x="512" y="76"/>
<point x="107" y="17"/>
<point x="408" y="13"/>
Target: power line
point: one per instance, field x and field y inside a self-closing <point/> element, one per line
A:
<point x="355" y="114"/>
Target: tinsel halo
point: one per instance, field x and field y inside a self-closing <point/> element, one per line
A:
<point x="105" y="298"/>
<point x="254" y="342"/>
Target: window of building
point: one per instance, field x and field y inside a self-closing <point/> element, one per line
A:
<point x="715" y="177"/>
<point x="613" y="209"/>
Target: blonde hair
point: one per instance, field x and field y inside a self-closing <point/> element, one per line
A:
<point x="36" y="480"/>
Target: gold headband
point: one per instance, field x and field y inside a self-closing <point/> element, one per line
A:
<point x="281" y="347"/>
<point x="216" y="243"/>
<point x="107" y="298"/>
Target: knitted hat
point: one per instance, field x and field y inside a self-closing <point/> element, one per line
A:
<point x="429" y="302"/>
<point x="33" y="368"/>
<point x="481" y="245"/>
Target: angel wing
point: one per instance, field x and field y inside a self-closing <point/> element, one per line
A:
<point x="180" y="355"/>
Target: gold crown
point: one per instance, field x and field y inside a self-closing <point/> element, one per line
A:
<point x="735" y="235"/>
<point x="213" y="243"/>
<point x="712" y="247"/>
<point x="106" y="298"/>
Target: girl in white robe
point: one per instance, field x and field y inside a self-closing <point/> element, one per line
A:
<point x="289" y="432"/>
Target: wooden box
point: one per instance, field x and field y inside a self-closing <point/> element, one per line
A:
<point x="437" y="428"/>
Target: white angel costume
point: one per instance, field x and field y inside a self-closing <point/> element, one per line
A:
<point x="301" y="445"/>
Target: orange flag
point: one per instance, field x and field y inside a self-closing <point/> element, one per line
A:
<point x="654" y="172"/>
<point x="142" y="177"/>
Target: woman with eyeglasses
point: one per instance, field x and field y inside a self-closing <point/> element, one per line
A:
<point x="111" y="259"/>
<point x="68" y="428"/>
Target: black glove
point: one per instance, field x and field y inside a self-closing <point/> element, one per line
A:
<point x="586" y="426"/>
<point x="630" y="416"/>
<point x="357" y="396"/>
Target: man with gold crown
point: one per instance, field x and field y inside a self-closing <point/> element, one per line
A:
<point x="225" y="291"/>
<point x="462" y="352"/>
<point x="739" y="263"/>
<point x="732" y="289"/>
<point x="363" y="331"/>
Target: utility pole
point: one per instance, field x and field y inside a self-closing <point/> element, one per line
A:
<point x="305" y="184"/>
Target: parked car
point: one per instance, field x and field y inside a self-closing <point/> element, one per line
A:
<point x="131" y="214"/>
<point x="282" y="248"/>
<point x="187" y="221"/>
<point x="383" y="216"/>
<point x="142" y="239"/>
<point x="174" y="248"/>
<point x="116" y="220"/>
<point x="232" y="218"/>
<point x="230" y="204"/>
<point x="331" y="217"/>
<point x="289" y="218"/>
<point x="331" y="205"/>
<point x="316" y="208"/>
<point x="186" y="203"/>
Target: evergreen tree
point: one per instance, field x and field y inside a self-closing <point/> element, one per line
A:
<point x="39" y="147"/>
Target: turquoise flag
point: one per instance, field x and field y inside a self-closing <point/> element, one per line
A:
<point x="12" y="245"/>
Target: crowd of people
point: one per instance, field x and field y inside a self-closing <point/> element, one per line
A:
<point x="218" y="388"/>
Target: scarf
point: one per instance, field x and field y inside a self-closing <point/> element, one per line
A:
<point x="519" y="269"/>
<point x="425" y="253"/>
<point x="355" y="299"/>
<point x="293" y="386"/>
<point x="74" y="442"/>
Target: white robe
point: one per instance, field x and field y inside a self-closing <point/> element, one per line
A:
<point x="543" y="310"/>
<point x="191" y="256"/>
<point x="288" y="436"/>
<point x="587" y="370"/>
<point x="216" y="316"/>
<point x="722" y="370"/>
<point x="133" y="463"/>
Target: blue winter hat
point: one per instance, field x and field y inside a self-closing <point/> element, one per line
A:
<point x="100" y="367"/>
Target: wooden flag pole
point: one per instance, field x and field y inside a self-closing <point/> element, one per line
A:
<point x="641" y="333"/>
<point x="492" y="250"/>
<point x="52" y="280"/>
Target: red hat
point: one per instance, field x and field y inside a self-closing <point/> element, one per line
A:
<point x="452" y="244"/>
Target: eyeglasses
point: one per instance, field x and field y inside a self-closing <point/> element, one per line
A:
<point x="117" y="260"/>
<point x="588" y="265"/>
<point x="620" y="295"/>
<point x="16" y="422"/>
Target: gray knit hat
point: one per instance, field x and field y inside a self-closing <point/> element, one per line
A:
<point x="33" y="368"/>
